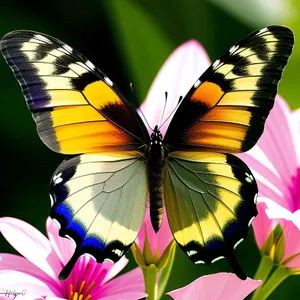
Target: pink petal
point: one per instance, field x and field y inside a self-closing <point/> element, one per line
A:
<point x="158" y="241"/>
<point x="177" y="75"/>
<point x="223" y="286"/>
<point x="281" y="146"/>
<point x="294" y="263"/>
<point x="32" y="244"/>
<point x="63" y="247"/>
<point x="115" y="269"/>
<point x="295" y="125"/>
<point x="29" y="297"/>
<point x="274" y="160"/>
<point x="130" y="282"/>
<point x="262" y="225"/>
<point x="277" y="141"/>
<point x="126" y="296"/>
<point x="13" y="280"/>
<point x="291" y="243"/>
<point x="18" y="263"/>
<point x="269" y="182"/>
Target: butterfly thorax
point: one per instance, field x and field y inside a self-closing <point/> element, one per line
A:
<point x="155" y="154"/>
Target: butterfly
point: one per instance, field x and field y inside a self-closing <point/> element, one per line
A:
<point x="99" y="194"/>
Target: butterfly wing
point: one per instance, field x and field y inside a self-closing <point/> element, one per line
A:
<point x="210" y="203"/>
<point x="100" y="201"/>
<point x="226" y="109"/>
<point x="209" y="193"/>
<point x="76" y="107"/>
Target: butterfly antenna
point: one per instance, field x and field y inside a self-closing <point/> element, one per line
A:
<point x="139" y="108"/>
<point x="163" y="113"/>
<point x="172" y="112"/>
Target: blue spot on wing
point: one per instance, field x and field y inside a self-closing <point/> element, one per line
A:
<point x="77" y="228"/>
<point x="64" y="212"/>
<point x="92" y="241"/>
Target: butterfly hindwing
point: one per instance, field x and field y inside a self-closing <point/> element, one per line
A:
<point x="226" y="109"/>
<point x="210" y="203"/>
<point x="77" y="108"/>
<point x="100" y="202"/>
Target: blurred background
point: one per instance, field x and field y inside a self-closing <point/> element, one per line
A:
<point x="129" y="41"/>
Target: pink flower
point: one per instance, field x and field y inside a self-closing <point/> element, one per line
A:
<point x="225" y="286"/>
<point x="43" y="258"/>
<point x="157" y="242"/>
<point x="275" y="163"/>
<point x="275" y="160"/>
<point x="277" y="236"/>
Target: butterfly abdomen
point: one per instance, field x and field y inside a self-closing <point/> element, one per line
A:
<point x="155" y="169"/>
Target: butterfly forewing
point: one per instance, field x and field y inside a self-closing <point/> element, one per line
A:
<point x="226" y="109"/>
<point x="76" y="107"/>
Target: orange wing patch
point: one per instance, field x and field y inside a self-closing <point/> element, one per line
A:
<point x="99" y="94"/>
<point x="226" y="109"/>
<point x="208" y="93"/>
<point x="76" y="107"/>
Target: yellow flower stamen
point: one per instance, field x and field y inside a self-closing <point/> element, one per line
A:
<point x="81" y="286"/>
<point x="90" y="286"/>
<point x="75" y="297"/>
<point x="79" y="295"/>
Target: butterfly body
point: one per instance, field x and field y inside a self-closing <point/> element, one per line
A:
<point x="99" y="195"/>
<point x="156" y="154"/>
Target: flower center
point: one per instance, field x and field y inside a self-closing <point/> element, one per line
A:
<point x="83" y="293"/>
<point x="295" y="190"/>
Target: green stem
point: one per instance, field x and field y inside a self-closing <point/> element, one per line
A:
<point x="278" y="276"/>
<point x="150" y="275"/>
<point x="165" y="274"/>
<point x="262" y="273"/>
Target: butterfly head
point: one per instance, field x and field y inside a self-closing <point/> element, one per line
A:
<point x="156" y="137"/>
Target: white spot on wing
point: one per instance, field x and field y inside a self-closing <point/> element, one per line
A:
<point x="51" y="200"/>
<point x="216" y="259"/>
<point x="216" y="63"/>
<point x="200" y="262"/>
<point x="43" y="38"/>
<point x="117" y="252"/>
<point x="109" y="260"/>
<point x="90" y="65"/>
<point x="108" y="81"/>
<point x="237" y="243"/>
<point x="197" y="83"/>
<point x="191" y="252"/>
<point x="262" y="30"/>
<point x="251" y="220"/>
<point x="68" y="48"/>
<point x="233" y="49"/>
<point x="255" y="199"/>
<point x="57" y="178"/>
<point x="249" y="178"/>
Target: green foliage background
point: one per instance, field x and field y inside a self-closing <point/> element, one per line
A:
<point x="129" y="40"/>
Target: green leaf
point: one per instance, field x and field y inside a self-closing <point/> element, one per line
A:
<point x="142" y="43"/>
